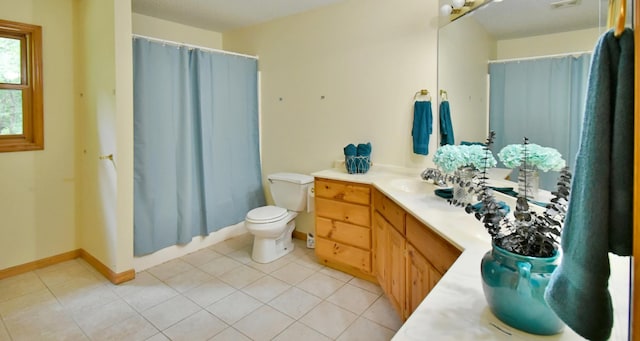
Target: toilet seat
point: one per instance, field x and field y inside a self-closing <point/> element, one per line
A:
<point x="266" y="214"/>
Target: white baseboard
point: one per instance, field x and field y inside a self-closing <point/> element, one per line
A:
<point x="197" y="243"/>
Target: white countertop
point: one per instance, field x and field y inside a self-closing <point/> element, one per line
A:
<point x="456" y="308"/>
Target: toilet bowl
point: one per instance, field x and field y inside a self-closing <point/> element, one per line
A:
<point x="273" y="225"/>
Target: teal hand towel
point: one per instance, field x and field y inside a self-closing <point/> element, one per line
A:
<point x="446" y="128"/>
<point x="422" y="126"/>
<point x="364" y="149"/>
<point x="600" y="213"/>
<point x="350" y="150"/>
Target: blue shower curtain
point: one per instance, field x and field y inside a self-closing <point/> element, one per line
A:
<point x="542" y="99"/>
<point x="196" y="143"/>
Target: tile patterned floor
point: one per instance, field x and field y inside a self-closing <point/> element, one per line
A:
<point x="217" y="293"/>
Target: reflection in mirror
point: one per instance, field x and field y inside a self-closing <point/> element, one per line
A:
<point x="519" y="41"/>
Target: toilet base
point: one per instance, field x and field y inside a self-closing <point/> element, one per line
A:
<point x="267" y="250"/>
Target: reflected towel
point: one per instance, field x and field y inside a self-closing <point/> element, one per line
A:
<point x="600" y="214"/>
<point x="446" y="193"/>
<point x="422" y="127"/>
<point x="446" y="128"/>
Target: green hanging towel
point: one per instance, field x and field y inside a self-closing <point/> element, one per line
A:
<point x="600" y="215"/>
<point x="422" y="126"/>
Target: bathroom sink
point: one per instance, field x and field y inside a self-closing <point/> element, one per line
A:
<point x="410" y="185"/>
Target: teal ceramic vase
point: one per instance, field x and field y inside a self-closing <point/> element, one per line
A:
<point x="514" y="288"/>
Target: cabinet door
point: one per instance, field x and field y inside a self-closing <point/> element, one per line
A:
<point x="421" y="278"/>
<point x="379" y="250"/>
<point x="396" y="267"/>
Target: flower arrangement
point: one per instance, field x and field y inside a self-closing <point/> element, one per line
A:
<point x="529" y="233"/>
<point x="450" y="158"/>
<point x="542" y="158"/>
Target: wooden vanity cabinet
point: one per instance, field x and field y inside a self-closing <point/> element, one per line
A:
<point x="343" y="226"/>
<point x="409" y="258"/>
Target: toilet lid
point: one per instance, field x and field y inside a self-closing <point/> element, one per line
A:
<point x="266" y="214"/>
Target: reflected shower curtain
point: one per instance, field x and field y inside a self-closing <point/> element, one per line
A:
<point x="542" y="99"/>
<point x="196" y="143"/>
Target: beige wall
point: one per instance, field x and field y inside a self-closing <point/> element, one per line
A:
<point x="549" y="44"/>
<point x="366" y="57"/>
<point x="464" y="48"/>
<point x="37" y="197"/>
<point x="105" y="125"/>
<point x="163" y="29"/>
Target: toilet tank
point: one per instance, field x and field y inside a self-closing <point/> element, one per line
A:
<point x="289" y="190"/>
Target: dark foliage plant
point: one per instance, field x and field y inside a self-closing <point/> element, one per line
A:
<point x="529" y="233"/>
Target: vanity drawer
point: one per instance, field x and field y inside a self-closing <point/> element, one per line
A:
<point x="343" y="232"/>
<point x="389" y="210"/>
<point x="331" y="251"/>
<point x="439" y="252"/>
<point x="349" y="192"/>
<point x="337" y="210"/>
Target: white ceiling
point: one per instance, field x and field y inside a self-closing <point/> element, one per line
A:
<point x="519" y="18"/>
<point x="506" y="19"/>
<point x="224" y="15"/>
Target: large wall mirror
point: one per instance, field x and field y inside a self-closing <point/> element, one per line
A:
<point x="508" y="39"/>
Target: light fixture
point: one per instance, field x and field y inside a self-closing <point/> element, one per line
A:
<point x="458" y="7"/>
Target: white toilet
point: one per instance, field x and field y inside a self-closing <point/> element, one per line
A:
<point x="272" y="225"/>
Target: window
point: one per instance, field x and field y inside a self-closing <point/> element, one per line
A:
<point x="21" y="122"/>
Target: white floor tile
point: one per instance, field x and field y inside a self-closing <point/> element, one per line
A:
<point x="329" y="319"/>
<point x="28" y="304"/>
<point x="241" y="276"/>
<point x="220" y="265"/>
<point x="94" y="320"/>
<point x="382" y="312"/>
<point x="339" y="275"/>
<point x="199" y="326"/>
<point x="4" y="334"/>
<point x="353" y="298"/>
<point x="292" y="273"/>
<point x="263" y="324"/>
<point x="299" y="331"/>
<point x="272" y="266"/>
<point x="266" y="288"/>
<point x="134" y="328"/>
<point x="63" y="272"/>
<point x="150" y="296"/>
<point x="366" y="330"/>
<point x="243" y="255"/>
<point x="158" y="337"/>
<point x="209" y="292"/>
<point x="203" y="295"/>
<point x="230" y="334"/>
<point x="170" y="269"/>
<point x="201" y="257"/>
<point x="83" y="293"/>
<point x="142" y="282"/>
<point x="310" y="261"/>
<point x="19" y="285"/>
<point x="44" y="324"/>
<point x="234" y="307"/>
<point x="168" y="313"/>
<point x="188" y="280"/>
<point x="366" y="285"/>
<point x="295" y="302"/>
<point x="320" y="285"/>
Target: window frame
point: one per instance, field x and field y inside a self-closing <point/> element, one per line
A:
<point x="32" y="137"/>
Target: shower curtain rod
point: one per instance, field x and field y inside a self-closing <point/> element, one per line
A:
<point x="539" y="57"/>
<point x="175" y="43"/>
